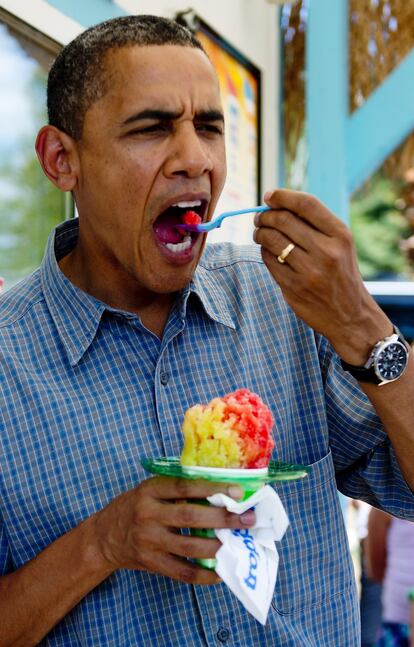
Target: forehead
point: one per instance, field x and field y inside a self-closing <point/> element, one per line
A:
<point x="161" y="70"/>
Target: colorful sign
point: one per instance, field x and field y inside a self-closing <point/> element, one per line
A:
<point x="240" y="91"/>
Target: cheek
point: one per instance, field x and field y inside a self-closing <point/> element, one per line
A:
<point x="136" y="177"/>
<point x="128" y="187"/>
<point x="221" y="169"/>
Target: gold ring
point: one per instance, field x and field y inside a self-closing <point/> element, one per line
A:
<point x="285" y="253"/>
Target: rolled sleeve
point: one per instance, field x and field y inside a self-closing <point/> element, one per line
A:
<point x="365" y="463"/>
<point x="379" y="477"/>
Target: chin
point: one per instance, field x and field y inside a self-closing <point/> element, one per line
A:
<point x="171" y="284"/>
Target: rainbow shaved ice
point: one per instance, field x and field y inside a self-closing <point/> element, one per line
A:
<point x="233" y="431"/>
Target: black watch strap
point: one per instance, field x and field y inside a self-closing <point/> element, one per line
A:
<point x="361" y="373"/>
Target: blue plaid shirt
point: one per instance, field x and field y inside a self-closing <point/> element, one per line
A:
<point x="86" y="391"/>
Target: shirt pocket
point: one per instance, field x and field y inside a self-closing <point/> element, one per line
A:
<point x="315" y="563"/>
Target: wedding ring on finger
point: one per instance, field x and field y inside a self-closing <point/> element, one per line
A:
<point x="285" y="253"/>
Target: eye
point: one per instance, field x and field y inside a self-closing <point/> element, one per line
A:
<point x="152" y="129"/>
<point x="214" y="129"/>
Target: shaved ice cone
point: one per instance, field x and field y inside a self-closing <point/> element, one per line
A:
<point x="229" y="437"/>
<point x="231" y="432"/>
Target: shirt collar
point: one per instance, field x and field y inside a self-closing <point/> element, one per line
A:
<point x="218" y="303"/>
<point x="77" y="314"/>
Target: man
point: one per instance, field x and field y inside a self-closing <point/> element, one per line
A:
<point x="127" y="323"/>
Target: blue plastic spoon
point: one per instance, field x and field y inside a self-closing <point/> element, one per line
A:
<point x="216" y="222"/>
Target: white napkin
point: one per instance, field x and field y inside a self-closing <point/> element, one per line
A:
<point x="248" y="560"/>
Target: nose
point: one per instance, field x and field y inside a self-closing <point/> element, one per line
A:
<point x="189" y="155"/>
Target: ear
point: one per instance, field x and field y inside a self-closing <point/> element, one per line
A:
<point x="57" y="153"/>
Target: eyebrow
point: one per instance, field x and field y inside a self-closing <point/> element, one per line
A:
<point x="169" y="115"/>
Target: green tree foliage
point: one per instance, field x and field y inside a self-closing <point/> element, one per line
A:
<point x="31" y="206"/>
<point x="28" y="215"/>
<point x="378" y="227"/>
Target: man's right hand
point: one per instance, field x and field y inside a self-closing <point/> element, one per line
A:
<point x="140" y="529"/>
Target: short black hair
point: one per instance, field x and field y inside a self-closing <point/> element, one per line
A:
<point x="77" y="79"/>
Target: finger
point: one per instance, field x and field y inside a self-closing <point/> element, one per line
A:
<point x="307" y="207"/>
<point x="275" y="243"/>
<point x="313" y="249"/>
<point x="163" y="487"/>
<point x="284" y="273"/>
<point x="194" y="547"/>
<point x="294" y="228"/>
<point x="183" y="545"/>
<point x="181" y="569"/>
<point x="289" y="280"/>
<point x="193" y="515"/>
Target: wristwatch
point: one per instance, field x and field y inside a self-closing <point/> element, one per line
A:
<point x="386" y="363"/>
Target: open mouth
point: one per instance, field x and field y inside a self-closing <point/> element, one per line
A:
<point x="165" y="226"/>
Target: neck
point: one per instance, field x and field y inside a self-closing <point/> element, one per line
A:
<point x="118" y="290"/>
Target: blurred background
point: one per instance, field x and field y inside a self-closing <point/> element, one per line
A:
<point x="381" y="213"/>
<point x="317" y="95"/>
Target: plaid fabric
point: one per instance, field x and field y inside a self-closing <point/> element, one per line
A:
<point x="86" y="391"/>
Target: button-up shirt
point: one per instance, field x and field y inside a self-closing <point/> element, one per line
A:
<point x="86" y="391"/>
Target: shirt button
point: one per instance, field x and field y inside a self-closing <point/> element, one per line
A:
<point x="164" y="378"/>
<point x="223" y="634"/>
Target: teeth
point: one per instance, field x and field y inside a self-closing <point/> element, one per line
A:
<point x="187" y="204"/>
<point x="179" y="247"/>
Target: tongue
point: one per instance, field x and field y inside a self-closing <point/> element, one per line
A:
<point x="165" y="227"/>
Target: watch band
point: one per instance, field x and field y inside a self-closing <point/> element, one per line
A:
<point x="366" y="373"/>
<point x="361" y="373"/>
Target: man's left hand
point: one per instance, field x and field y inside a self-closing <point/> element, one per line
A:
<point x="319" y="277"/>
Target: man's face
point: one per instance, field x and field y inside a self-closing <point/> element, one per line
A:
<point x="151" y="148"/>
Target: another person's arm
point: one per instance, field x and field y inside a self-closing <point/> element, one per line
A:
<point x="139" y="530"/>
<point x="375" y="544"/>
<point x="321" y="281"/>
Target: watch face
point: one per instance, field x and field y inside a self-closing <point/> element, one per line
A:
<point x="391" y="361"/>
